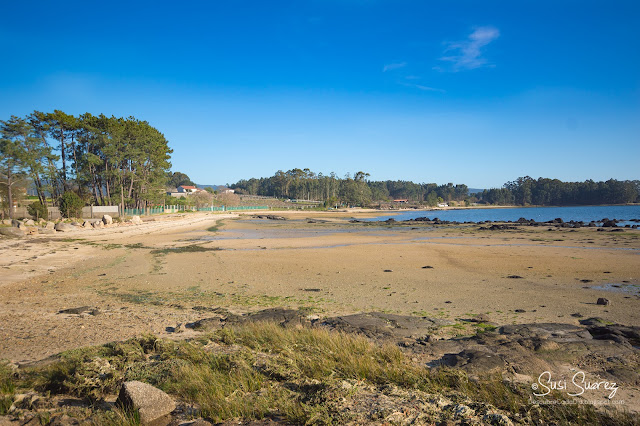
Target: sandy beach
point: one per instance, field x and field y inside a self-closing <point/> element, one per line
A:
<point x="144" y="279"/>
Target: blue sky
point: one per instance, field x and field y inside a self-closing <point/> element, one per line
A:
<point x="474" y="92"/>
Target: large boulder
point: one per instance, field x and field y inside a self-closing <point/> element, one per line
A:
<point x="12" y="232"/>
<point x="50" y="225"/>
<point x="136" y="220"/>
<point x="107" y="220"/>
<point x="63" y="227"/>
<point x="29" y="222"/>
<point x="152" y="403"/>
<point x="98" y="224"/>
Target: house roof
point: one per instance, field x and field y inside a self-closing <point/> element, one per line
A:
<point x="187" y="187"/>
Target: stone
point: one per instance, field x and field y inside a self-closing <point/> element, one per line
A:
<point x="46" y="231"/>
<point x="152" y="403"/>
<point x="18" y="224"/>
<point x="107" y="220"/>
<point x="12" y="232"/>
<point x="29" y="222"/>
<point x="63" y="227"/>
<point x="602" y="301"/>
<point x="98" y="224"/>
<point x="50" y="225"/>
<point x="136" y="220"/>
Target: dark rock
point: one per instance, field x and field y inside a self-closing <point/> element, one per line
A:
<point x="81" y="310"/>
<point x="427" y="267"/>
<point x="152" y="403"/>
<point x="603" y="301"/>
<point x="519" y="311"/>
<point x="514" y="276"/>
<point x="473" y="360"/>
<point x="388" y="270"/>
<point x="381" y="325"/>
<point x="556" y="332"/>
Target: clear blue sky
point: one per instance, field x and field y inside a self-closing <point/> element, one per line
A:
<point x="474" y="92"/>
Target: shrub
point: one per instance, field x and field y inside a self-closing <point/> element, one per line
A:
<point x="38" y="210"/>
<point x="71" y="205"/>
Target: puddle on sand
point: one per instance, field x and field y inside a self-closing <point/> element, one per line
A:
<point x="632" y="289"/>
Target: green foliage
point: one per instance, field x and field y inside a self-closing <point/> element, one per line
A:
<point x="553" y="192"/>
<point x="38" y="210"/>
<point x="71" y="205"/>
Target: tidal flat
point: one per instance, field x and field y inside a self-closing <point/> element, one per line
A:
<point x="524" y="296"/>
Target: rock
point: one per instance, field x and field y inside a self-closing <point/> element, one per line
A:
<point x="98" y="224"/>
<point x="18" y="224"/>
<point x="152" y="403"/>
<point x="46" y="231"/>
<point x="12" y="232"/>
<point x="107" y="220"/>
<point x="206" y="324"/>
<point x="427" y="267"/>
<point x="81" y="310"/>
<point x="136" y="220"/>
<point x="63" y="227"/>
<point x="563" y="333"/>
<point x="496" y="419"/>
<point x="50" y="225"/>
<point x="29" y="222"/>
<point x="514" y="276"/>
<point x="381" y="325"/>
<point x="602" y="301"/>
<point x="474" y="360"/>
<point x="6" y="221"/>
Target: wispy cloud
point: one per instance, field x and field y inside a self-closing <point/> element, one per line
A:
<point x="424" y="88"/>
<point x="467" y="54"/>
<point x="395" y="66"/>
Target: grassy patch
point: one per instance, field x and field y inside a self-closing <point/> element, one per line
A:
<point x="216" y="227"/>
<point x="259" y="371"/>
<point x="194" y="248"/>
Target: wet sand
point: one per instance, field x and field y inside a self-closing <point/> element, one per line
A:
<point x="147" y="278"/>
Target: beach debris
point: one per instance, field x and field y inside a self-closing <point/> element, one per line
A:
<point x="427" y="267"/>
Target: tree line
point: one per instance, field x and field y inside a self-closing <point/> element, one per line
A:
<point x="358" y="190"/>
<point x="349" y="190"/>
<point x="553" y="192"/>
<point x="104" y="160"/>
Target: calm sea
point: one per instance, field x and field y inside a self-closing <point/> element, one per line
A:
<point x="539" y="214"/>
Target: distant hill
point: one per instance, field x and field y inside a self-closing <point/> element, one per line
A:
<point x="203" y="186"/>
<point x="475" y="190"/>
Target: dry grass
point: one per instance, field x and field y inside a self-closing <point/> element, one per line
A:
<point x="258" y="371"/>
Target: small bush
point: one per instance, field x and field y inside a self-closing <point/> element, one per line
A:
<point x="71" y="205"/>
<point x="38" y="210"/>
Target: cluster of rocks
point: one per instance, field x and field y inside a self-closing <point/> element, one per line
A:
<point x="20" y="228"/>
<point x="269" y="217"/>
<point x="499" y="225"/>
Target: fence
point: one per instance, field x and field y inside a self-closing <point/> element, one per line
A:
<point x="98" y="211"/>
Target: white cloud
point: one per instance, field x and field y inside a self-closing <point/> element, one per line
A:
<point x="395" y="66"/>
<point x="467" y="54"/>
